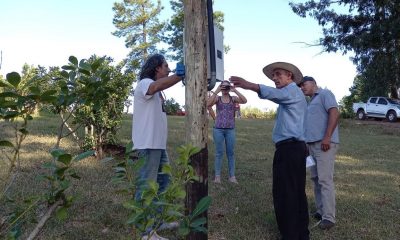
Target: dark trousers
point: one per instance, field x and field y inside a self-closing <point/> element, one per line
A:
<point x="288" y="188"/>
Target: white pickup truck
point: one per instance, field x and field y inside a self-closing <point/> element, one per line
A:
<point x="378" y="107"/>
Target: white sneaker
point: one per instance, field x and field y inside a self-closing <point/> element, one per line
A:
<point x="217" y="179"/>
<point x="154" y="236"/>
<point x="233" y="180"/>
<point x="171" y="225"/>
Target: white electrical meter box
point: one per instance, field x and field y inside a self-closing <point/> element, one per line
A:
<point x="219" y="54"/>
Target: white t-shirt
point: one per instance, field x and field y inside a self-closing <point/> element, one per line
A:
<point x="149" y="121"/>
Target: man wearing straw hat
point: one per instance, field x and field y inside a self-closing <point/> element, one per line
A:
<point x="289" y="165"/>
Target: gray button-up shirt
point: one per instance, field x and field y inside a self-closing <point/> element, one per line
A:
<point x="291" y="111"/>
<point x="317" y="116"/>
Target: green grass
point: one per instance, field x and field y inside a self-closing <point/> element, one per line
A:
<point x="367" y="184"/>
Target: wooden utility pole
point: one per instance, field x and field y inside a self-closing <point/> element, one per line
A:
<point x="195" y="22"/>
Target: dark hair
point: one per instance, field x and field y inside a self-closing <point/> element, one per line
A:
<point x="308" y="78"/>
<point x="305" y="79"/>
<point x="226" y="81"/>
<point x="225" y="86"/>
<point x="148" y="69"/>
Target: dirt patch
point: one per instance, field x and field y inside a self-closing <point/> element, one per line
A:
<point x="115" y="150"/>
<point x="383" y="123"/>
<point x="385" y="127"/>
<point x="118" y="151"/>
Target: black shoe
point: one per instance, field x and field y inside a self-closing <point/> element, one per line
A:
<point x="317" y="216"/>
<point x="326" y="224"/>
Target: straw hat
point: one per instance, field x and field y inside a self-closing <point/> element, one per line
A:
<point x="269" y="69"/>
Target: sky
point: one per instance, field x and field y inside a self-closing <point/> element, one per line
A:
<point x="259" y="32"/>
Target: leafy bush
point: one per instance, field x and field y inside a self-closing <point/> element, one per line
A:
<point x="253" y="112"/>
<point x="92" y="94"/>
<point x="172" y="107"/>
<point x="346" y="107"/>
<point x="155" y="208"/>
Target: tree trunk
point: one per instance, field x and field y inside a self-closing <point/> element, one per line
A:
<point x="395" y="90"/>
<point x="100" y="134"/>
<point x="195" y="23"/>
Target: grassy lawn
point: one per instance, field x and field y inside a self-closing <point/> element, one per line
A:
<point x="367" y="184"/>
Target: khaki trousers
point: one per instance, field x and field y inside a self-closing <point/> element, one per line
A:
<point x="322" y="176"/>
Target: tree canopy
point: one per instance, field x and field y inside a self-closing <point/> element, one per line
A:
<point x="367" y="28"/>
<point x="174" y="30"/>
<point x="137" y="21"/>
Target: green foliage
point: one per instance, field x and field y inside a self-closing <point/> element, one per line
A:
<point x="346" y="107"/>
<point x="358" y="93"/>
<point x="93" y="92"/>
<point x="174" y="30"/>
<point x="137" y="21"/>
<point x="253" y="112"/>
<point x="155" y="208"/>
<point x="88" y="143"/>
<point x="12" y="226"/>
<point x="193" y="222"/>
<point x="366" y="169"/>
<point x="92" y="87"/>
<point x="362" y="89"/>
<point x="171" y="107"/>
<point x="366" y="28"/>
<point x="61" y="172"/>
<point x="18" y="101"/>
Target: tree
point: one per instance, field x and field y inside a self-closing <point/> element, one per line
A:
<point x="366" y="27"/>
<point x="93" y="93"/>
<point x="171" y="106"/>
<point x="174" y="30"/>
<point x="356" y="95"/>
<point x="137" y="21"/>
<point x="104" y="114"/>
<point x="18" y="101"/>
<point x="195" y="103"/>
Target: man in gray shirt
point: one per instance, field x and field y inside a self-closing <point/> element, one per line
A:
<point x="289" y="167"/>
<point x="323" y="141"/>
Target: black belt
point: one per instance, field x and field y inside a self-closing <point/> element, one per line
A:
<point x="289" y="140"/>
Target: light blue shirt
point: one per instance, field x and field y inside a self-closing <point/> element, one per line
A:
<point x="291" y="112"/>
<point x="317" y="116"/>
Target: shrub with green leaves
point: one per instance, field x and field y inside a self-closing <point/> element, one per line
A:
<point x="61" y="172"/>
<point x="253" y="112"/>
<point x="172" y="107"/>
<point x="92" y="92"/>
<point x="18" y="101"/>
<point x="154" y="209"/>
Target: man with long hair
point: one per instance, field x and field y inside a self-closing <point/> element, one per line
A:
<point x="149" y="132"/>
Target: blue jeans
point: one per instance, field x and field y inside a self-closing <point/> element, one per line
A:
<point x="227" y="136"/>
<point x="155" y="159"/>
